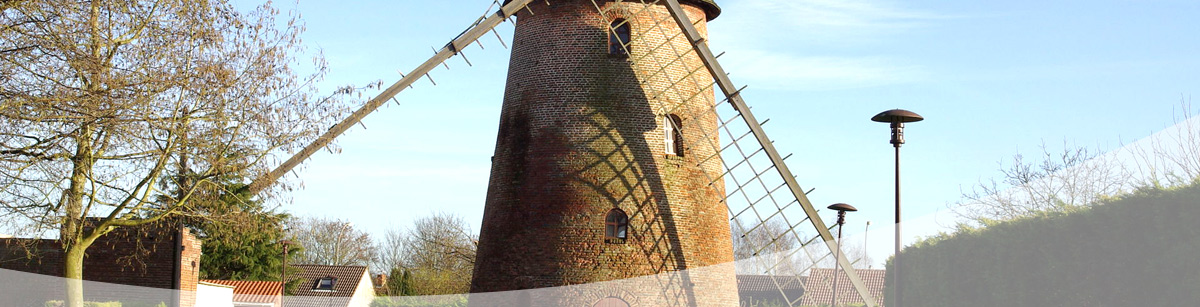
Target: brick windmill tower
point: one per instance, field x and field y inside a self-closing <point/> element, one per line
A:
<point x="592" y="178"/>
<point x="608" y="185"/>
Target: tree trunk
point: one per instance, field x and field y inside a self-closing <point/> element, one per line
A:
<point x="73" y="273"/>
<point x="72" y="236"/>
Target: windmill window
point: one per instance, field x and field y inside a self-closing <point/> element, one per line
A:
<point x="611" y="302"/>
<point x="673" y="134"/>
<point x="616" y="226"/>
<point x="618" y="37"/>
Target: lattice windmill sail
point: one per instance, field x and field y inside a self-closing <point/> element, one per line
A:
<point x="620" y="163"/>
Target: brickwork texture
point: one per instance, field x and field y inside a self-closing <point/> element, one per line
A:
<point x="143" y="264"/>
<point x="581" y="133"/>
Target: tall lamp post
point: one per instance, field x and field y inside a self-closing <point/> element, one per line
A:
<point x="897" y="118"/>
<point x="866" y="234"/>
<point x="841" y="209"/>
<point x="283" y="270"/>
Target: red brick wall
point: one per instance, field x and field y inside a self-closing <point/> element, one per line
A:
<point x="143" y="258"/>
<point x="189" y="264"/>
<point x="581" y="133"/>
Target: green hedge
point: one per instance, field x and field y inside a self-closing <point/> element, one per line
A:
<point x="85" y="304"/>
<point x="1140" y="249"/>
<point x="59" y="303"/>
<point x="420" y="301"/>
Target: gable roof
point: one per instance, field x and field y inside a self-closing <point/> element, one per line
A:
<point x="819" y="286"/>
<point x="251" y="291"/>
<point x="348" y="278"/>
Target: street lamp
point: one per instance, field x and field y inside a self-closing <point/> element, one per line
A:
<point x="866" y="234"/>
<point x="897" y="118"/>
<point x="841" y="209"/>
<point x="283" y="271"/>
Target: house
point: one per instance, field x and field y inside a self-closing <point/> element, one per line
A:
<point x="213" y="295"/>
<point x="819" y="287"/>
<point x="253" y="293"/>
<point x="754" y="290"/>
<point x="150" y="264"/>
<point x="331" y="285"/>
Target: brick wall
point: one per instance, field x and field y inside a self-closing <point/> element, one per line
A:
<point x="581" y="133"/>
<point x="189" y="264"/>
<point x="143" y="264"/>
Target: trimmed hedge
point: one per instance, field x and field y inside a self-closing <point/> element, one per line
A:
<point x="1137" y="250"/>
<point x="85" y="304"/>
<point x="420" y="301"/>
<point x="60" y="303"/>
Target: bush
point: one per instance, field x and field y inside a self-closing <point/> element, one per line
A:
<point x="419" y="301"/>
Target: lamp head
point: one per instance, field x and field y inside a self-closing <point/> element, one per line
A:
<point x="842" y="207"/>
<point x="897" y="116"/>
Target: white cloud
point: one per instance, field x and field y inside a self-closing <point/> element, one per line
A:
<point x="766" y="42"/>
<point x="823" y="15"/>
<point x="841" y="13"/>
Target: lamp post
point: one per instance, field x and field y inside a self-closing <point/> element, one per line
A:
<point x="841" y="209"/>
<point x="866" y="234"/>
<point x="283" y="271"/>
<point x="897" y="118"/>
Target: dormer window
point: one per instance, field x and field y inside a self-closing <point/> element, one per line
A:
<point x="618" y="37"/>
<point x="325" y="284"/>
<point x="673" y="134"/>
<point x="616" y="226"/>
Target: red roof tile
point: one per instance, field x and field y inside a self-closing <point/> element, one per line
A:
<point x="769" y="283"/>
<point x="765" y="288"/>
<point x="251" y="291"/>
<point x="818" y="288"/>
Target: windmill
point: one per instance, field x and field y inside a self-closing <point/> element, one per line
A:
<point x="719" y="142"/>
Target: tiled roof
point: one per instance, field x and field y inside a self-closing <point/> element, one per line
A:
<point x="766" y="283"/>
<point x="251" y="291"/>
<point x="819" y="286"/>
<point x="348" y="278"/>
<point x="764" y="289"/>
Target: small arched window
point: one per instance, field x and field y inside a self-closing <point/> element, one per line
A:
<point x="673" y="134"/>
<point x="616" y="226"/>
<point x="618" y="37"/>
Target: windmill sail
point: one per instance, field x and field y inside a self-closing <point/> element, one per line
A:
<point x="761" y="194"/>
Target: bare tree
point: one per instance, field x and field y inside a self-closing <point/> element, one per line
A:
<point x="853" y="253"/>
<point x="102" y="101"/>
<point x="1074" y="177"/>
<point x="390" y="251"/>
<point x="329" y="241"/>
<point x="1079" y="177"/>
<point x="438" y="252"/>
<point x="1170" y="157"/>
<point x="769" y="247"/>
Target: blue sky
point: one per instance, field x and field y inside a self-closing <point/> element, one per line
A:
<point x="992" y="78"/>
